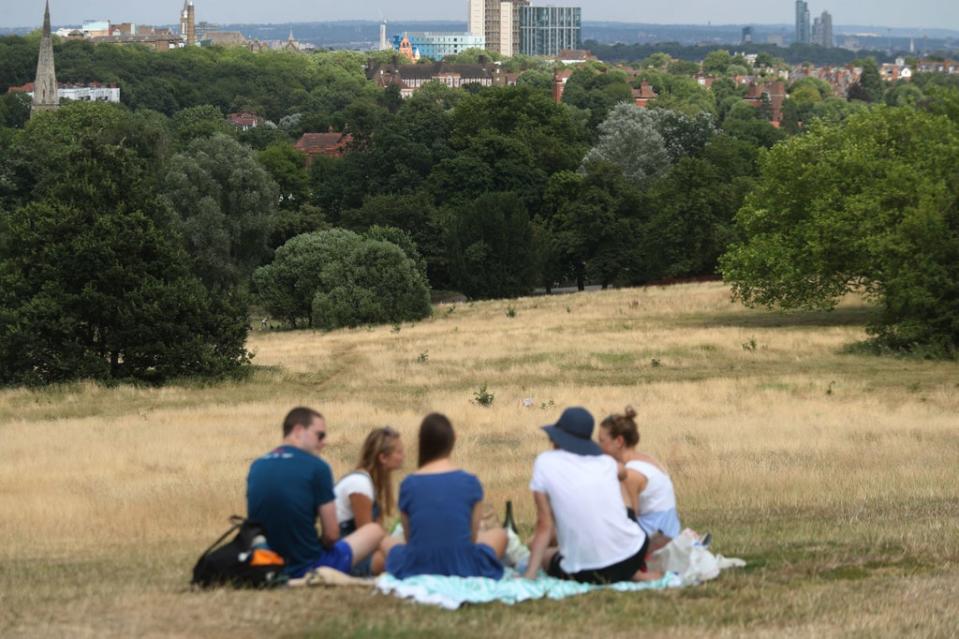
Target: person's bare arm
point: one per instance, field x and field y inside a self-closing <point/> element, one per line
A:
<point x="329" y="526"/>
<point x="541" y="535"/>
<point x="641" y="482"/>
<point x="635" y="484"/>
<point x="362" y="507"/>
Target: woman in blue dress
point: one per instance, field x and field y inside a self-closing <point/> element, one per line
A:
<point x="440" y="508"/>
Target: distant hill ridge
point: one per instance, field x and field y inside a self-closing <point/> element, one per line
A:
<point x="356" y="33"/>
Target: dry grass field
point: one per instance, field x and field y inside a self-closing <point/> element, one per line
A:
<point x="835" y="475"/>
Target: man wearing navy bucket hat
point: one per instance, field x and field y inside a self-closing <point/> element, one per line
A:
<point x="577" y="495"/>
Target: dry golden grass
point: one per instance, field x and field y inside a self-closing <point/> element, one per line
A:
<point x="835" y="475"/>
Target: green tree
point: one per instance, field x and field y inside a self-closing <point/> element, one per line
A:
<point x="490" y="247"/>
<point x="644" y="142"/>
<point x="683" y="67"/>
<point x="597" y="91"/>
<point x="592" y="218"/>
<point x="94" y="282"/>
<point x="14" y="110"/>
<point x="200" y="122"/>
<point x="226" y="201"/>
<point x="263" y="136"/>
<point x="692" y="210"/>
<point x="871" y="205"/>
<point x="680" y="93"/>
<point x="539" y="80"/>
<point x="338" y="278"/>
<point x="717" y="62"/>
<point x="400" y="238"/>
<point x="287" y="166"/>
<point x="287" y="286"/>
<point x="288" y="223"/>
<point x="415" y="215"/>
<point x="904" y="94"/>
<point x="630" y="139"/>
<point x="659" y="60"/>
<point x="375" y="283"/>
<point x="942" y="100"/>
<point x="869" y="88"/>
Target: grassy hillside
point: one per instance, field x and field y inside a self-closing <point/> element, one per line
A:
<point x="834" y="475"/>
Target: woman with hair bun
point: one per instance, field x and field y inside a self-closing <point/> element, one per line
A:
<point x="647" y="490"/>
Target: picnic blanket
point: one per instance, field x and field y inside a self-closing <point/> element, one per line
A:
<point x="684" y="562"/>
<point x="453" y="592"/>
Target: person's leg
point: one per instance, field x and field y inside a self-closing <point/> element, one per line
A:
<point x="550" y="565"/>
<point x="364" y="541"/>
<point x="495" y="538"/>
<point x="647" y="575"/>
<point x="656" y="541"/>
<point x="643" y="573"/>
<point x="379" y="557"/>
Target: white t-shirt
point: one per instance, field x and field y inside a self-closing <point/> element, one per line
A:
<point x="658" y="496"/>
<point x="592" y="527"/>
<point x="358" y="481"/>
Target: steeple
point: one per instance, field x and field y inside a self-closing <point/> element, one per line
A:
<point x="291" y="43"/>
<point x="45" y="96"/>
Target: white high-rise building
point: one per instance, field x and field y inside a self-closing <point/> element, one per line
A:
<point x="506" y="28"/>
<point x="476" y="13"/>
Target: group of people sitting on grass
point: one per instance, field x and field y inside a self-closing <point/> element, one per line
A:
<point x="601" y="509"/>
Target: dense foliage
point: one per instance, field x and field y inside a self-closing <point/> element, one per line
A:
<point x="338" y="278"/>
<point x="872" y="205"/>
<point x="793" y="54"/>
<point x="94" y="280"/>
<point x="485" y="191"/>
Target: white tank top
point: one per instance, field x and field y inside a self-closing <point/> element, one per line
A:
<point x="658" y="495"/>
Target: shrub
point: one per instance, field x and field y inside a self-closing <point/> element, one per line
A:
<point x="286" y="287"/>
<point x="338" y="278"/>
<point x="376" y="282"/>
<point x="483" y="397"/>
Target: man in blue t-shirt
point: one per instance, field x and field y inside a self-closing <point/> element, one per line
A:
<point x="289" y="487"/>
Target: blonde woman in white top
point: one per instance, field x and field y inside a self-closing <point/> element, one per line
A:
<point x="647" y="490"/>
<point x="365" y="494"/>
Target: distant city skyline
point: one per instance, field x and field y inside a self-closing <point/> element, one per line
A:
<point x="881" y="13"/>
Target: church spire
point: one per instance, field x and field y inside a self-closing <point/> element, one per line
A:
<point x="45" y="96"/>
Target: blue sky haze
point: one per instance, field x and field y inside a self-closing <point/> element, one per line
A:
<point x="890" y="13"/>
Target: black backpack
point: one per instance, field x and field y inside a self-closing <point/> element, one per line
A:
<point x="244" y="562"/>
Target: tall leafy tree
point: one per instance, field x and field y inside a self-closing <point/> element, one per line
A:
<point x="630" y="139"/>
<point x="490" y="242"/>
<point x="692" y="210"/>
<point x="592" y="221"/>
<point x="287" y="166"/>
<point x="597" y="91"/>
<point x="94" y="282"/>
<point x="872" y="204"/>
<point x="226" y="201"/>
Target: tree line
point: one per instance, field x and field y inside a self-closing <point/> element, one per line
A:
<point x="135" y="237"/>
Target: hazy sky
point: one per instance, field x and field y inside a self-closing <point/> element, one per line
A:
<point x="893" y="13"/>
